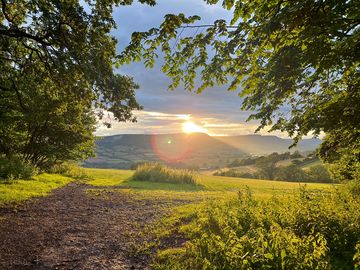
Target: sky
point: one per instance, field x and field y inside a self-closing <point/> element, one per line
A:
<point x="215" y="111"/>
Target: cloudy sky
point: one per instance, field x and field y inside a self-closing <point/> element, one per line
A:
<point x="215" y="111"/>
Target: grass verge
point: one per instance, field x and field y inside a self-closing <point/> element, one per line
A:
<point x="19" y="190"/>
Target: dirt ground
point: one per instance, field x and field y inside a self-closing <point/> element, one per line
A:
<point x="70" y="229"/>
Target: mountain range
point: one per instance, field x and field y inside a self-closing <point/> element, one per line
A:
<point x="196" y="149"/>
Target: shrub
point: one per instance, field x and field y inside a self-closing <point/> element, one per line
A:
<point x="69" y="169"/>
<point x="303" y="232"/>
<point x="156" y="172"/>
<point x="15" y="168"/>
<point x="354" y="187"/>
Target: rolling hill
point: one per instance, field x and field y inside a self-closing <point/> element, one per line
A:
<point x="184" y="150"/>
<point x="262" y="145"/>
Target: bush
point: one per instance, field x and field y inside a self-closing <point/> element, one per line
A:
<point x="302" y="232"/>
<point x="353" y="187"/>
<point x="69" y="169"/>
<point x="15" y="168"/>
<point x="156" y="172"/>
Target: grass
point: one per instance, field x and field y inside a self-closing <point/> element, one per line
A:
<point x="308" y="165"/>
<point x="306" y="231"/>
<point x="208" y="185"/>
<point x="19" y="190"/>
<point x="211" y="211"/>
<point x="155" y="172"/>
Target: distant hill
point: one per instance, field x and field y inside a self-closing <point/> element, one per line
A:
<point x="261" y="145"/>
<point x="186" y="150"/>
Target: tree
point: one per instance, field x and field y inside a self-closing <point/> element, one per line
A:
<point x="297" y="63"/>
<point x="291" y="173"/>
<point x="56" y="71"/>
<point x="319" y="173"/>
<point x="296" y="154"/>
<point x="267" y="166"/>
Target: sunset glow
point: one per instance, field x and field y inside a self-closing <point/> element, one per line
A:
<point x="191" y="127"/>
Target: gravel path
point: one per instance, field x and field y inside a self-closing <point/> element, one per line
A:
<point x="70" y="229"/>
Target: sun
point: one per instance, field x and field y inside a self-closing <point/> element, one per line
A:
<point x="191" y="127"/>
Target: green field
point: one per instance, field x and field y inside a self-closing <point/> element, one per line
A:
<point x="269" y="223"/>
<point x="224" y="222"/>
<point x="207" y="184"/>
<point x="19" y="190"/>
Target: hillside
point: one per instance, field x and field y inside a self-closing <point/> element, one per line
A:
<point x="261" y="145"/>
<point x="120" y="151"/>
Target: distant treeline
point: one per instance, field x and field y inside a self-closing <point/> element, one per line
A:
<point x="287" y="155"/>
<point x="266" y="168"/>
<point x="292" y="173"/>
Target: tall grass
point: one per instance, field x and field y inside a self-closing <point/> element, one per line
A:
<point x="156" y="172"/>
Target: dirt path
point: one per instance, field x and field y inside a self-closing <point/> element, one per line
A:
<point x="72" y="230"/>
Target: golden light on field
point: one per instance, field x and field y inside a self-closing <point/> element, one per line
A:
<point x="191" y="127"/>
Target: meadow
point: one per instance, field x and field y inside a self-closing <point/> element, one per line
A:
<point x="227" y="223"/>
<point x="233" y="223"/>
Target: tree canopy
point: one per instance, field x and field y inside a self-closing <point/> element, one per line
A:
<point x="297" y="64"/>
<point x="57" y="69"/>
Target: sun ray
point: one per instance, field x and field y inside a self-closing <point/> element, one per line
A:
<point x="191" y="127"/>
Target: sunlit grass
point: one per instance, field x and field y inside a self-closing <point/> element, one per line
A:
<point x="307" y="166"/>
<point x="208" y="185"/>
<point x="108" y="177"/>
<point x="20" y="190"/>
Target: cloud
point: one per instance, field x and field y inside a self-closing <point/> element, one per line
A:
<point x="153" y="122"/>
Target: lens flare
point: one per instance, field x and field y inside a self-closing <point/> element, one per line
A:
<point x="170" y="148"/>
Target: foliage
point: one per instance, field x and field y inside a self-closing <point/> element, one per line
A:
<point x="296" y="63"/>
<point x="306" y="231"/>
<point x="291" y="173"/>
<point x="56" y="67"/>
<point x="51" y="128"/>
<point x="319" y="173"/>
<point x="160" y="173"/>
<point x="242" y="162"/>
<point x="354" y="187"/>
<point x="347" y="167"/>
<point x="235" y="173"/>
<point x="70" y="169"/>
<point x="15" y="168"/>
<point x="40" y="185"/>
<point x="296" y="154"/>
<point x="267" y="166"/>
